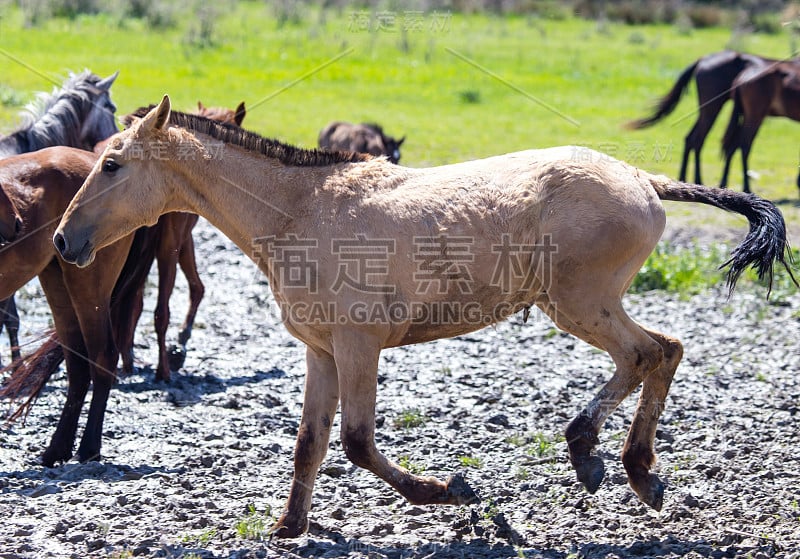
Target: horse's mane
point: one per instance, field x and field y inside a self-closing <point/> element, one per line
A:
<point x="55" y="118"/>
<point x="234" y="135"/>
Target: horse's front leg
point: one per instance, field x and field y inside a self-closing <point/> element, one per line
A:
<point x="357" y="362"/>
<point x="319" y="407"/>
<point x="103" y="357"/>
<point x="78" y="377"/>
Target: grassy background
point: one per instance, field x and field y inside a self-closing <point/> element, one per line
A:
<point x="543" y="83"/>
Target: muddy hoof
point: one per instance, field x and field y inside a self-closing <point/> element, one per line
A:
<point x="459" y="492"/>
<point x="176" y="357"/>
<point x="590" y="473"/>
<point x="286" y="527"/>
<point x="653" y="494"/>
<point x="52" y="457"/>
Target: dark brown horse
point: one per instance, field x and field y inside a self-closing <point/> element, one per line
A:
<point x="360" y="138"/>
<point x="79" y="114"/>
<point x="714" y="75"/>
<point x="773" y="90"/>
<point x="170" y="244"/>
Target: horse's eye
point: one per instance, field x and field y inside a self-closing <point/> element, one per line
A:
<point x="110" y="166"/>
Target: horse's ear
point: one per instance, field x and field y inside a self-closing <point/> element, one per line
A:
<point x="106" y="83"/>
<point x="400" y="141"/>
<point x="158" y="117"/>
<point x="200" y="106"/>
<point x="240" y="113"/>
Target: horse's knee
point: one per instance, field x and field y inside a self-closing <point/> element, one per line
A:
<point x="359" y="446"/>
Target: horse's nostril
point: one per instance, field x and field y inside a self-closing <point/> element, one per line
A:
<point x="60" y="242"/>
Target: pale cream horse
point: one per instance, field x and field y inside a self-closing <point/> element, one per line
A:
<point x="386" y="250"/>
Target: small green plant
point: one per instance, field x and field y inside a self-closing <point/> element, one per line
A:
<point x="254" y="525"/>
<point x="470" y="461"/>
<point x="684" y="271"/>
<point x="522" y="473"/>
<point x="203" y="538"/>
<point x="515" y="440"/>
<point x="121" y="554"/>
<point x="405" y="462"/>
<point x="542" y="446"/>
<point x="409" y="418"/>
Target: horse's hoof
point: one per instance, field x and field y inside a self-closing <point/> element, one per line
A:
<point x="176" y="357"/>
<point x="459" y="492"/>
<point x="590" y="473"/>
<point x="287" y="528"/>
<point x="51" y="457"/>
<point x="652" y="494"/>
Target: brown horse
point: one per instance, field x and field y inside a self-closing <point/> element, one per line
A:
<point x="714" y="75"/>
<point x="79" y="114"/>
<point x="360" y="138"/>
<point x="41" y="184"/>
<point x="541" y="227"/>
<point x="757" y="93"/>
<point x="171" y="244"/>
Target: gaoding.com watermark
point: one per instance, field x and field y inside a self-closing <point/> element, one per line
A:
<point x="436" y="313"/>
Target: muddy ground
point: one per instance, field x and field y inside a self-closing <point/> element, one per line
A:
<point x="200" y="467"/>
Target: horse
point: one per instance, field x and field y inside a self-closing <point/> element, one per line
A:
<point x="79" y="114"/>
<point x="170" y="243"/>
<point x="41" y="184"/>
<point x="361" y="138"/>
<point x="363" y="255"/>
<point x="714" y="74"/>
<point x="757" y="93"/>
<point x="223" y="114"/>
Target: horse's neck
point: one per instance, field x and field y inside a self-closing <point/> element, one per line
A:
<point x="248" y="196"/>
<point x="48" y="132"/>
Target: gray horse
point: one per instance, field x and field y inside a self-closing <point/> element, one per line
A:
<point x="360" y="138"/>
<point x="78" y="114"/>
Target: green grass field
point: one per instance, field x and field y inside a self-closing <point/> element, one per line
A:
<point x="458" y="86"/>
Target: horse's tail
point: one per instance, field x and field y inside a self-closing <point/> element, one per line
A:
<point x="30" y="373"/>
<point x="666" y="104"/>
<point x="730" y="141"/>
<point x="765" y="243"/>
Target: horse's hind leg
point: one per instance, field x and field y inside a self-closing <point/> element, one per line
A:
<point x="319" y="407"/>
<point x="602" y="322"/>
<point x="638" y="455"/>
<point x="357" y="365"/>
<point x="196" y="288"/>
<point x="167" y="262"/>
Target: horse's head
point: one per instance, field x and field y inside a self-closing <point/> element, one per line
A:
<point x="393" y="147"/>
<point x="10" y="220"/>
<point x="96" y="109"/>
<point x="221" y="114"/>
<point x="378" y="143"/>
<point x="122" y="192"/>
